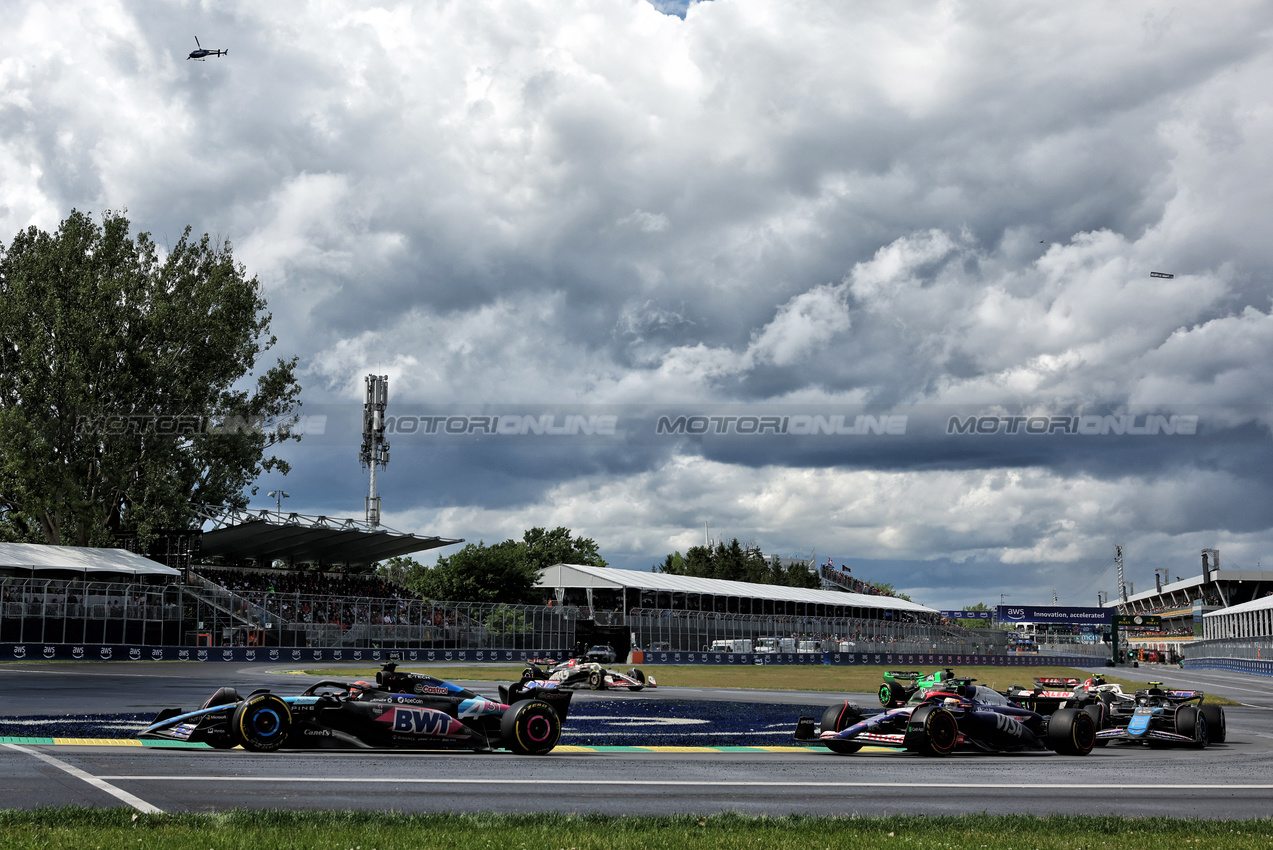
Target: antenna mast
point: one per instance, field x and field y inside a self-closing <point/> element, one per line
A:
<point x="375" y="451"/>
<point x="1118" y="559"/>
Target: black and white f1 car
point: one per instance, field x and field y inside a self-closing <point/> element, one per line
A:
<point x="401" y="711"/>
<point x="952" y="715"/>
<point x="580" y="673"/>
<point x="1150" y="715"/>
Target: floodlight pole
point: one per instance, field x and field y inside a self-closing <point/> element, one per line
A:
<point x="279" y="496"/>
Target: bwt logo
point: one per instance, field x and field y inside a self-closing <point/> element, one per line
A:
<point x="1088" y="425"/>
<point x="798" y="425"/>
<point x="420" y="721"/>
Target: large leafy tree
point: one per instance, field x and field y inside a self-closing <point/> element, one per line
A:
<point x="130" y="393"/>
<point x="736" y="562"/>
<point x="504" y="572"/>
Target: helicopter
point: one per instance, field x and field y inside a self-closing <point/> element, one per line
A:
<point x="201" y="52"/>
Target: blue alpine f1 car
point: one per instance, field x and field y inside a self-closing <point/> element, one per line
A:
<point x="1159" y="717"/>
<point x="954" y="714"/>
<point x="400" y="710"/>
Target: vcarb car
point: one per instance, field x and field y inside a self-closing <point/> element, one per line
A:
<point x="400" y="711"/>
<point x="957" y="714"/>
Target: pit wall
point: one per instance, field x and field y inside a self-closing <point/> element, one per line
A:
<point x="242" y="654"/>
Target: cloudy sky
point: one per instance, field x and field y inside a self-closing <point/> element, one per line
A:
<point x="923" y="213"/>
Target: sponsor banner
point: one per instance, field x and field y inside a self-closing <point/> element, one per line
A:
<point x="967" y="615"/>
<point x="1063" y="614"/>
<point x="881" y="658"/>
<point x="288" y="654"/>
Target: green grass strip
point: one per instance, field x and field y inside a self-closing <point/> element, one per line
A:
<point x="254" y="830"/>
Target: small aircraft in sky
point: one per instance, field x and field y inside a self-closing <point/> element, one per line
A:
<point x="201" y="52"/>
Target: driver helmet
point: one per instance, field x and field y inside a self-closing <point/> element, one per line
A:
<point x="355" y="691"/>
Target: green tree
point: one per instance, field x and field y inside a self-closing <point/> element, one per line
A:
<point x="129" y="395"/>
<point x="505" y="572"/>
<point x="975" y="624"/>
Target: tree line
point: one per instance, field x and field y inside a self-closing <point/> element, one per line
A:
<point x="736" y="562"/>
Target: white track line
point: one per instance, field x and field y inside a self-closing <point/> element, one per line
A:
<point x="96" y="781"/>
<point x="1061" y="786"/>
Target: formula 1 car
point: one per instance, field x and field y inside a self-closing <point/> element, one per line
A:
<point x="1112" y="708"/>
<point x="401" y="711"/>
<point x="944" y="718"/>
<point x="1159" y="717"/>
<point x="900" y="685"/>
<point x="580" y="673"/>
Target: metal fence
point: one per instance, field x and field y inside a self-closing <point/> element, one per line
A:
<point x="1252" y="649"/>
<point x="695" y="631"/>
<point x="202" y="613"/>
<point x="58" y="611"/>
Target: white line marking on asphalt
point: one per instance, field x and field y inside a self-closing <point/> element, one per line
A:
<point x="1066" y="786"/>
<point x="96" y="781"/>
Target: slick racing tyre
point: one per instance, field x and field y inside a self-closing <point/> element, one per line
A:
<point x="637" y="676"/>
<point x="892" y="695"/>
<point x="1071" y="732"/>
<point x="838" y="718"/>
<point x="530" y="727"/>
<point x="932" y="731"/>
<point x="1097" y="712"/>
<point x="261" y="723"/>
<point x="596" y="681"/>
<point x="1191" y="722"/>
<point x="1214" y="716"/>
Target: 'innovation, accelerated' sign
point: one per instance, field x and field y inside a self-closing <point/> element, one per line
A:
<point x="1067" y="615"/>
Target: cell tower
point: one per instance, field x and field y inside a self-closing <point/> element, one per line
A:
<point x="1122" y="585"/>
<point x="374" y="451"/>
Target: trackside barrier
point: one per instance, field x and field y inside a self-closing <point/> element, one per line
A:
<point x="1237" y="665"/>
<point x="99" y="652"/>
<point x="1013" y="660"/>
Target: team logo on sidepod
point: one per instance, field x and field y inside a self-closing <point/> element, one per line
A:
<point x="419" y="721"/>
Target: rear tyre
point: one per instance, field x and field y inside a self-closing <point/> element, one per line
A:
<point x="636" y="675"/>
<point x="261" y="723"/>
<point x="1214" y="716"/>
<point x="1190" y="721"/>
<point x="891" y="695"/>
<point x="1097" y="712"/>
<point x="932" y="731"/>
<point x="837" y="718"/>
<point x="530" y="727"/>
<point x="1071" y="732"/>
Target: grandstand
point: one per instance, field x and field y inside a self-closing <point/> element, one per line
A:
<point x="685" y="613"/>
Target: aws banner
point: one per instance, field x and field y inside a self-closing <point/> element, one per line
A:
<point x="1054" y="614"/>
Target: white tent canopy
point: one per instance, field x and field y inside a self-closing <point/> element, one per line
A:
<point x="39" y="558"/>
<point x="577" y="576"/>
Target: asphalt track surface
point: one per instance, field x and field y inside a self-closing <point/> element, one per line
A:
<point x="724" y="767"/>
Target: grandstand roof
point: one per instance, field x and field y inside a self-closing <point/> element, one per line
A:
<point x="42" y="558"/>
<point x="1261" y="604"/>
<point x="267" y="536"/>
<point x="575" y="575"/>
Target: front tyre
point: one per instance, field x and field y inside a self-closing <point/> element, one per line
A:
<point x="1071" y="732"/>
<point x="1190" y="721"/>
<point x="261" y="723"/>
<point x="837" y="718"/>
<point x="636" y="675"/>
<point x="530" y="727"/>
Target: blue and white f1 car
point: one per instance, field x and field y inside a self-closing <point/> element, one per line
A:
<point x="1159" y="717"/>
<point x="400" y="710"/>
